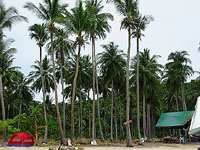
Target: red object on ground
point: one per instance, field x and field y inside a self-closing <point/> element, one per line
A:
<point x="128" y="122"/>
<point x="21" y="140"/>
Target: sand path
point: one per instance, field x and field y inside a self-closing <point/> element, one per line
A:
<point x="121" y="147"/>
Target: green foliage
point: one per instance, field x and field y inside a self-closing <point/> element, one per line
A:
<point x="9" y="125"/>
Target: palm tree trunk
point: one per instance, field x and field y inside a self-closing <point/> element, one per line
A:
<point x="97" y="86"/>
<point x="74" y="92"/>
<point x="144" y="116"/>
<point x="36" y="133"/>
<point x="44" y="100"/>
<point x="153" y="123"/>
<point x="93" y="89"/>
<point x="56" y="92"/>
<point x="183" y="96"/>
<point x="98" y="105"/>
<point x="3" y="109"/>
<point x="177" y="108"/>
<point x="64" y="105"/>
<point x="128" y="132"/>
<point x="81" y="113"/>
<point x="115" y="120"/>
<point x="148" y="122"/>
<point x="104" y="117"/>
<point x="20" y="111"/>
<point x="121" y="127"/>
<point x="89" y="113"/>
<point x="138" y="91"/>
<point x="79" y="118"/>
<point x="111" y="117"/>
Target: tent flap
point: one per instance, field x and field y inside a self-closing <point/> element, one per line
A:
<point x="195" y="123"/>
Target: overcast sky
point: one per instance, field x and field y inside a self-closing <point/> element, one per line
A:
<point x="176" y="27"/>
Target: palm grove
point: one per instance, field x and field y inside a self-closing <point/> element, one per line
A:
<point x="122" y="88"/>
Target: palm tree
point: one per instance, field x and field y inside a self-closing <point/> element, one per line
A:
<point x="22" y="91"/>
<point x="98" y="24"/>
<point x="179" y="65"/>
<point x="63" y="49"/>
<point x="38" y="32"/>
<point x="127" y="8"/>
<point x="49" y="12"/>
<point x="172" y="81"/>
<point x="112" y="63"/>
<point x="35" y="76"/>
<point x="77" y="24"/>
<point x="6" y="72"/>
<point x="8" y="17"/>
<point x="141" y="23"/>
<point x="83" y="80"/>
<point x="149" y="78"/>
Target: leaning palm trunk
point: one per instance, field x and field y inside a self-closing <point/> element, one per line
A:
<point x="138" y="94"/>
<point x="111" y="117"/>
<point x="56" y="93"/>
<point x="44" y="100"/>
<point x="73" y="93"/>
<point x="3" y="109"/>
<point x="98" y="105"/>
<point x="128" y="132"/>
<point x="183" y="96"/>
<point x="144" y="116"/>
<point x="93" y="89"/>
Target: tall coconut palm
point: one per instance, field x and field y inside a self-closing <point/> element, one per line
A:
<point x="6" y="72"/>
<point x="8" y="17"/>
<point x="76" y="23"/>
<point x="63" y="50"/>
<point x="127" y="8"/>
<point x="98" y="24"/>
<point x="179" y="65"/>
<point x="38" y="33"/>
<point x="141" y="23"/>
<point x="49" y="12"/>
<point x="149" y="78"/>
<point x="83" y="80"/>
<point x="112" y="63"/>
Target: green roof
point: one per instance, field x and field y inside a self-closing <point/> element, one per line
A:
<point x="174" y="119"/>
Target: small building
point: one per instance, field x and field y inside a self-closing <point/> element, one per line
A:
<point x="175" y="119"/>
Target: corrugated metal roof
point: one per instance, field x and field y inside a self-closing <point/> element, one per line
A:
<point x="174" y="119"/>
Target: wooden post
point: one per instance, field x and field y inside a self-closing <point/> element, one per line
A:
<point x="36" y="133"/>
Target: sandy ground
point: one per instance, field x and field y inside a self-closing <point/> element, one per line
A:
<point x="148" y="146"/>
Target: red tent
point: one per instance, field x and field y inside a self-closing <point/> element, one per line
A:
<point x="21" y="140"/>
